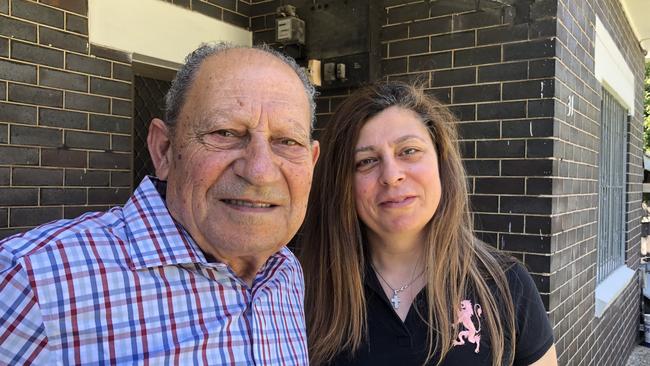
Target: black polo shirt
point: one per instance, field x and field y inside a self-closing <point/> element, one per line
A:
<point x="393" y="342"/>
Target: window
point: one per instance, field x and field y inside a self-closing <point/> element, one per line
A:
<point x="612" y="178"/>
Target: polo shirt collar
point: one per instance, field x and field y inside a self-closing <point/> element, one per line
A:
<point x="155" y="238"/>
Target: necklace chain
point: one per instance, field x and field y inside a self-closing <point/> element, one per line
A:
<point x="395" y="299"/>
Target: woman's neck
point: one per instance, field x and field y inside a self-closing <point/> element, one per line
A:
<point x="396" y="256"/>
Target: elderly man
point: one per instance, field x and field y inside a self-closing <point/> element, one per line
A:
<point x="193" y="269"/>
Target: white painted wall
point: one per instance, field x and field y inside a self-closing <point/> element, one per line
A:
<point x="156" y="28"/>
<point x="611" y="69"/>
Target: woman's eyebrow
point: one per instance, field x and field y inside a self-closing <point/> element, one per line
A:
<point x="398" y="140"/>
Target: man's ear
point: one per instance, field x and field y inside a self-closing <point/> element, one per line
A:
<point x="159" y="144"/>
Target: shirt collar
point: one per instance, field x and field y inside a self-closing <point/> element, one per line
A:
<point x="155" y="238"/>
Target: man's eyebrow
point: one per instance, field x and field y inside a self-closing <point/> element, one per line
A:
<point x="398" y="140"/>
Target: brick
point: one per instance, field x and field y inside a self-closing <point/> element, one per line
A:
<point x="539" y="148"/>
<point x="4" y="218"/>
<point x="500" y="185"/>
<point x="122" y="72"/>
<point x="503" y="223"/>
<point x="14" y="28"/>
<point x="12" y="155"/>
<point x="502" y="34"/>
<point x="501" y="149"/>
<point x="479" y="130"/>
<point x="525" y="243"/>
<point x="35" y="95"/>
<point x="477" y="19"/>
<point x="467" y="149"/>
<point x="76" y="24"/>
<point x="63" y="158"/>
<point x="537" y="186"/>
<point x="477" y="56"/>
<point x="207" y="9"/>
<point x="121" y="107"/>
<point x="109" y="160"/>
<point x="541" y="68"/>
<point x="443" y="95"/>
<point x="60" y="118"/>
<point x="65" y="40"/>
<point x="110" y="88"/>
<point x="37" y="177"/>
<point x="70" y="212"/>
<point x="464" y="112"/>
<point x="228" y="4"/>
<point x="477" y="93"/>
<point x="5" y="176"/>
<point x="430" y="26"/>
<point x="37" y="13"/>
<point x="433" y="61"/>
<point x="543" y="29"/>
<point x="121" y="143"/>
<point x="258" y="23"/>
<point x="394" y="66"/>
<point x="528" y="89"/>
<point x="18" y="196"/>
<point x="63" y="196"/>
<point x="502" y="72"/>
<point x="408" y="12"/>
<point x="541" y="108"/>
<point x="76" y="6"/>
<point x="87" y="64"/>
<point x="526" y="204"/>
<point x="408" y="47"/>
<point x="454" y="77"/>
<point x="236" y="19"/>
<point x="266" y="36"/>
<point x="528" y="128"/>
<point x="85" y="102"/>
<point x="4" y="6"/>
<point x="501" y="110"/>
<point x="24" y="135"/>
<point x="481" y="203"/>
<point x="16" y="71"/>
<point x="110" y="53"/>
<point x="95" y="178"/>
<point x="538" y="225"/>
<point x="110" y="123"/>
<point x="62" y="79"/>
<point x="529" y="167"/>
<point x="4" y="128"/>
<point x="34" y="215"/>
<point x="243" y="8"/>
<point x="36" y="54"/>
<point x="529" y="50"/>
<point x="452" y="41"/>
<point x="393" y="32"/>
<point x="17" y="113"/>
<point x="87" y="140"/>
<point x="543" y="8"/>
<point x="477" y="168"/>
<point x="108" y="195"/>
<point x="121" y="179"/>
<point x="266" y="7"/>
<point x="4" y="47"/>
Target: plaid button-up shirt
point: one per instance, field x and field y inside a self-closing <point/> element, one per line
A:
<point x="130" y="286"/>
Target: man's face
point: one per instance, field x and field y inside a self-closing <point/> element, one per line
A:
<point x="241" y="159"/>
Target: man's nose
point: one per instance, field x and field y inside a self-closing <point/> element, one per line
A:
<point x="258" y="165"/>
<point x="391" y="172"/>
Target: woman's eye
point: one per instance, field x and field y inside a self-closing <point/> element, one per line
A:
<point x="410" y="151"/>
<point x="365" y="162"/>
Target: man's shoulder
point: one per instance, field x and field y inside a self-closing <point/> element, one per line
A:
<point x="65" y="232"/>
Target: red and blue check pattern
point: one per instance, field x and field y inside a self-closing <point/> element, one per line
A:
<point x="130" y="286"/>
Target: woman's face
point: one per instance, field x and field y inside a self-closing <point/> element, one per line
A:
<point x="397" y="182"/>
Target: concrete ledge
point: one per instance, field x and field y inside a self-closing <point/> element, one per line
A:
<point x="608" y="290"/>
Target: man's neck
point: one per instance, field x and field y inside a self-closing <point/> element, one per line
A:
<point x="245" y="267"/>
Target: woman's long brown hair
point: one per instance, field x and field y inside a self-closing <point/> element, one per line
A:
<point x="333" y="256"/>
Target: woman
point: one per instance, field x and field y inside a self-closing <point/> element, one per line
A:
<point x="394" y="274"/>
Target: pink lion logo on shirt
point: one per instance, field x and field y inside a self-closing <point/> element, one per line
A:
<point x="469" y="330"/>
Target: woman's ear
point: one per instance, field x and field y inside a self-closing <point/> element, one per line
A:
<point x="159" y="144"/>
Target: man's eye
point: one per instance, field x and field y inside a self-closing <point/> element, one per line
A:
<point x="224" y="133"/>
<point x="289" y="142"/>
